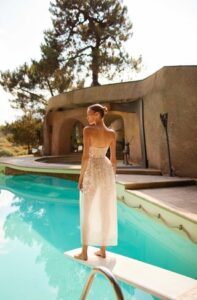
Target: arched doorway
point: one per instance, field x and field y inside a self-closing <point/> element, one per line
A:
<point x="115" y="122"/>
<point x="118" y="126"/>
<point x="134" y="130"/>
<point x="77" y="137"/>
<point x="69" y="136"/>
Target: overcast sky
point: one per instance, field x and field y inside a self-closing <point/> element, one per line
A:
<point x="164" y="33"/>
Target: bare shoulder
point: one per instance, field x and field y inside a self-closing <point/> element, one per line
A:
<point x="112" y="132"/>
<point x="87" y="129"/>
<point x="112" y="135"/>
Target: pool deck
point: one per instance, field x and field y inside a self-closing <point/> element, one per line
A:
<point x="31" y="163"/>
<point x="35" y="164"/>
<point x="182" y="199"/>
<point x="169" y="200"/>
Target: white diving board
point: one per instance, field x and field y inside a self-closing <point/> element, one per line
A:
<point x="151" y="279"/>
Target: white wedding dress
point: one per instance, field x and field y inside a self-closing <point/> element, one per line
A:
<point x="98" y="204"/>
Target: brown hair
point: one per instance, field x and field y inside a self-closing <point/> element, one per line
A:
<point x="98" y="108"/>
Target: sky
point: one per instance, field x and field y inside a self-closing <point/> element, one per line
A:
<point x="164" y="33"/>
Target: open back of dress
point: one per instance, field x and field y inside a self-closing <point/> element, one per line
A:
<point x="98" y="204"/>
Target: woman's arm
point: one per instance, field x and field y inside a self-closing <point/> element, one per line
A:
<point x="113" y="151"/>
<point x="85" y="156"/>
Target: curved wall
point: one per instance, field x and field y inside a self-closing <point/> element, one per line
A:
<point x="171" y="89"/>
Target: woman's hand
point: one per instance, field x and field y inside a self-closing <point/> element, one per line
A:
<point x="80" y="183"/>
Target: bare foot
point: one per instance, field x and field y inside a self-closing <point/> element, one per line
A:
<point x="100" y="253"/>
<point x="81" y="256"/>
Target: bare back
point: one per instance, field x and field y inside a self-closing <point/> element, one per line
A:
<point x="100" y="137"/>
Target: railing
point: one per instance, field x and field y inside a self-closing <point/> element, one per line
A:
<point x="159" y="216"/>
<point x="109" y="275"/>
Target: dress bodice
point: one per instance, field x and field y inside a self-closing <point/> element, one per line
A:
<point x="97" y="152"/>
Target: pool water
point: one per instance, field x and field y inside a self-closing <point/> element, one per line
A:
<point x="39" y="220"/>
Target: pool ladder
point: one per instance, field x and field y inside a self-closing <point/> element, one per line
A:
<point x="109" y="275"/>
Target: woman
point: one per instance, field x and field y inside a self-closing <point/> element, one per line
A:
<point x="98" y="208"/>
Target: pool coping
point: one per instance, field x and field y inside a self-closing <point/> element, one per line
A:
<point x="155" y="201"/>
<point x="32" y="163"/>
<point x="162" y="213"/>
<point x="163" y="205"/>
<point x="39" y="167"/>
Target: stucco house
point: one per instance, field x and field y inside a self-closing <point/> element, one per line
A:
<point x="135" y="110"/>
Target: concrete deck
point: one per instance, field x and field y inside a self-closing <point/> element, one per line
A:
<point x="30" y="162"/>
<point x="173" y="196"/>
<point x="182" y="199"/>
<point x="34" y="163"/>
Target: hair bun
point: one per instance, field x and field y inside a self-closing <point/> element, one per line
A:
<point x="105" y="109"/>
<point x="101" y="109"/>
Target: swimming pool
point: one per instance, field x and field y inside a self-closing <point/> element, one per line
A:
<point x="39" y="220"/>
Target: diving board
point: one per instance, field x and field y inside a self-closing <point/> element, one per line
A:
<point x="151" y="279"/>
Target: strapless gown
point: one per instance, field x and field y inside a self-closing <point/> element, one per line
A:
<point x="98" y="204"/>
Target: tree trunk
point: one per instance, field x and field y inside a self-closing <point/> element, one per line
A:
<point x="50" y="88"/>
<point x="95" y="66"/>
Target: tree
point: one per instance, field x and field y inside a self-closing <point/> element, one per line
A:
<point x="92" y="33"/>
<point x="87" y="36"/>
<point x="31" y="85"/>
<point x="52" y="72"/>
<point x="23" y="87"/>
<point x="24" y="131"/>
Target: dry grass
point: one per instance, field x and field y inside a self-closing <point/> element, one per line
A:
<point x="10" y="149"/>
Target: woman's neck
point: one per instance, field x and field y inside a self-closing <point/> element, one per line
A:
<point x="100" y="123"/>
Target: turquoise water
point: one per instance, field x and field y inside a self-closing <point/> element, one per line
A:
<point x="39" y="220"/>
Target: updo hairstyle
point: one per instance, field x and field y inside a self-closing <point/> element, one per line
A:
<point x="102" y="110"/>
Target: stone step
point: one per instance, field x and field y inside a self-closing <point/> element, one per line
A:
<point x="151" y="279"/>
<point x="137" y="170"/>
<point x="147" y="181"/>
<point x="159" y="184"/>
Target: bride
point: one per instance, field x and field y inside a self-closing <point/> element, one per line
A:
<point x="98" y="206"/>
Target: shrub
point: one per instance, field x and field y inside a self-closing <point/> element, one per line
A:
<point x="5" y="152"/>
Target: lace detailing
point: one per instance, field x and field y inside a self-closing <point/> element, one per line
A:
<point x="98" y="207"/>
<point x="97" y="152"/>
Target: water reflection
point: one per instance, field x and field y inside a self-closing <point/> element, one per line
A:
<point x="6" y="199"/>
<point x="46" y="228"/>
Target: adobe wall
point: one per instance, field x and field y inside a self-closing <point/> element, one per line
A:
<point x="62" y="123"/>
<point x="171" y="89"/>
<point x="180" y="101"/>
